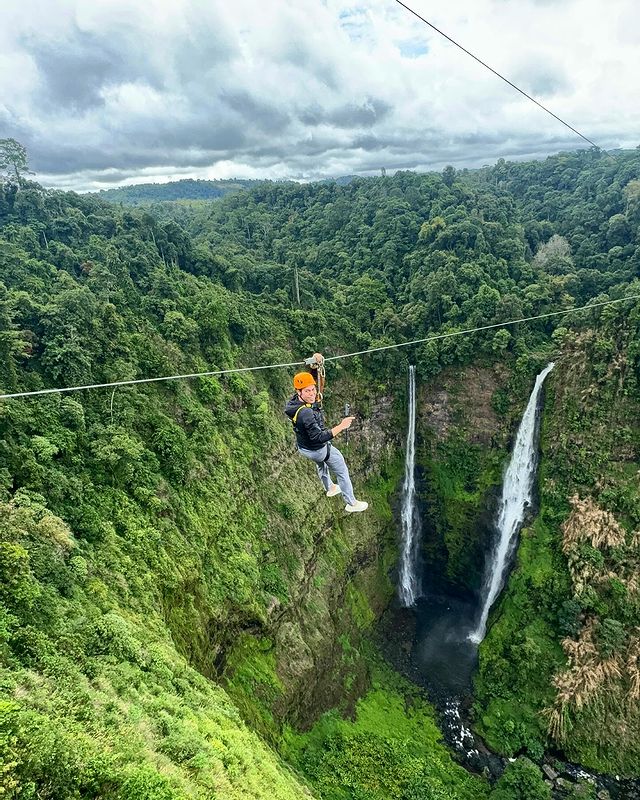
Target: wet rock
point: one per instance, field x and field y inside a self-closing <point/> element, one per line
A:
<point x="603" y="794"/>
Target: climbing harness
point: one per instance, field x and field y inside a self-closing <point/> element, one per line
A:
<point x="294" y="420"/>
<point x="295" y="416"/>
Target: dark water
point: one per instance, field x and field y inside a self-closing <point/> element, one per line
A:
<point x="429" y="645"/>
<point x="441" y="649"/>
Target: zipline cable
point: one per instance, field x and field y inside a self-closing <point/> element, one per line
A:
<point x="484" y="327"/>
<point x="329" y="358"/>
<point x="502" y="77"/>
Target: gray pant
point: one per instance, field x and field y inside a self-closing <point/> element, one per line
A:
<point x="336" y="464"/>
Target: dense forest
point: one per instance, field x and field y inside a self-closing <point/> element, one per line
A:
<point x="181" y="615"/>
<point x="185" y="189"/>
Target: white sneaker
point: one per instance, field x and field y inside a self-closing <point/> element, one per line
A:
<point x="334" y="490"/>
<point x="359" y="505"/>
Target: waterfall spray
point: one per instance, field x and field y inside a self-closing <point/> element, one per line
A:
<point x="409" y="589"/>
<point x="516" y="497"/>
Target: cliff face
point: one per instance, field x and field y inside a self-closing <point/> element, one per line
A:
<point x="559" y="666"/>
<point x="244" y="576"/>
<point x="463" y="436"/>
<point x="304" y="650"/>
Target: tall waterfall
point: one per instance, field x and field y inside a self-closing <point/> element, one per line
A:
<point x="516" y="497"/>
<point x="409" y="589"/>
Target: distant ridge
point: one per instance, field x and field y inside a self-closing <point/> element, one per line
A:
<point x="187" y="189"/>
<point x="343" y="180"/>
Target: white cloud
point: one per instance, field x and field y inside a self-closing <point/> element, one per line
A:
<point x="120" y="90"/>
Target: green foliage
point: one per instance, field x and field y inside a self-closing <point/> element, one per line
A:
<point x="521" y="780"/>
<point x="570" y="617"/>
<point x="390" y="751"/>
<point x="589" y="452"/>
<point x="523" y="641"/>
<point x="612" y="635"/>
<point x="458" y="478"/>
<point x="183" y="190"/>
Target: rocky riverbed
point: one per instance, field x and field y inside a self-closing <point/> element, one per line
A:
<point x="429" y="645"/>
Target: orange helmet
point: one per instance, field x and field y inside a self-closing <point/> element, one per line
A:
<point x="302" y="380"/>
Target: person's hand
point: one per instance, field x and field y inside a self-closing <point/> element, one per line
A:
<point x="342" y="426"/>
<point x="318" y="358"/>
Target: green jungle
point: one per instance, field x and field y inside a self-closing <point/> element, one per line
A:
<point x="183" y="614"/>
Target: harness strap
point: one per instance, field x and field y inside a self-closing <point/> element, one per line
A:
<point x="295" y="416"/>
<point x="321" y="382"/>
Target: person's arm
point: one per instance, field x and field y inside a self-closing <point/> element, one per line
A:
<point x="317" y="433"/>
<point x="316" y="360"/>
<point x="342" y="426"/>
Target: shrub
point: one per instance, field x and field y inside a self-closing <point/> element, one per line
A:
<point x="521" y="780"/>
<point x="570" y="617"/>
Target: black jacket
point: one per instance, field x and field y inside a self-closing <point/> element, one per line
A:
<point x="310" y="429"/>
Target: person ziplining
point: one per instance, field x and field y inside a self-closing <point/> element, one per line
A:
<point x="314" y="439"/>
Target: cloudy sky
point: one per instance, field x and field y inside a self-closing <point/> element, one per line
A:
<point x="106" y="92"/>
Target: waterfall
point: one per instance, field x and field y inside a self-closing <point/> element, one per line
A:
<point x="516" y="497"/>
<point x="409" y="585"/>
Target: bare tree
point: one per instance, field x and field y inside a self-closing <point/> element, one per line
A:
<point x="554" y="255"/>
<point x="13" y="160"/>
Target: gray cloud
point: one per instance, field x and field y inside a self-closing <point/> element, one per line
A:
<point x="558" y="3"/>
<point x="10" y="127"/>
<point x="320" y="64"/>
<point x="189" y="145"/>
<point x="75" y="71"/>
<point x="348" y="115"/>
<point x="205" y="47"/>
<point x="254" y="111"/>
<point x="481" y="138"/>
<point x="542" y="80"/>
<point x="205" y="89"/>
<point x="363" y="115"/>
<point x="310" y="163"/>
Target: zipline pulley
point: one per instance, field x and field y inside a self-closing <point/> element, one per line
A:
<point x="316" y="362"/>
